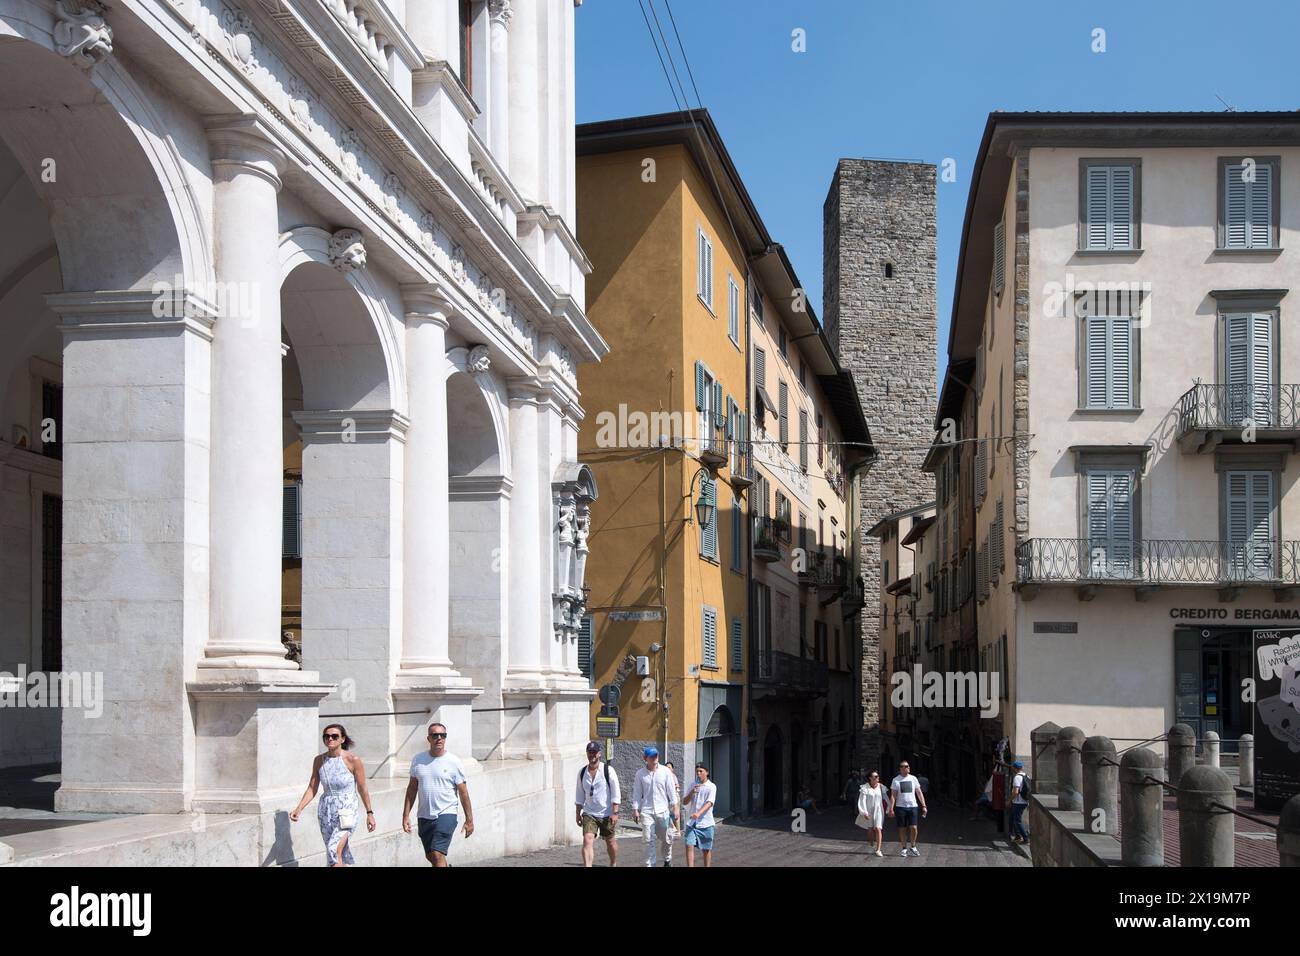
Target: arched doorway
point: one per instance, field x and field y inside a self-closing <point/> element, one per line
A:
<point x="773" y="775"/>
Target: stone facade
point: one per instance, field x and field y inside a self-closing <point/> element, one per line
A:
<point x="879" y="306"/>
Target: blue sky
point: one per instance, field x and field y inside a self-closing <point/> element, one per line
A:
<point x="916" y="80"/>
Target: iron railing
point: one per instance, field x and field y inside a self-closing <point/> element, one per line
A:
<point x="1209" y="407"/>
<point x="1158" y="561"/>
<point x="779" y="669"/>
<point x="767" y="538"/>
<point x="741" y="465"/>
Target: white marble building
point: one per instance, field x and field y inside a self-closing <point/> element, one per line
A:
<point x="233" y="225"/>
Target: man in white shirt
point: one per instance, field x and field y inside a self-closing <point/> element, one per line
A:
<point x="437" y="778"/>
<point x="906" y="796"/>
<point x="654" y="804"/>
<point x="699" y="828"/>
<point x="597" y="800"/>
<point x="1019" y="804"/>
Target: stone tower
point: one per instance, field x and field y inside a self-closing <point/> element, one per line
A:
<point x="879" y="304"/>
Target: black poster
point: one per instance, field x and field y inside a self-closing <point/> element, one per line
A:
<point x="1277" y="717"/>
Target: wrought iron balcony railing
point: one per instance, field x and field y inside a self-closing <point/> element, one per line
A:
<point x="740" y="470"/>
<point x="713" y="448"/>
<point x="766" y="538"/>
<point x="787" y="671"/>
<point x="1231" y="407"/>
<point x="1156" y="562"/>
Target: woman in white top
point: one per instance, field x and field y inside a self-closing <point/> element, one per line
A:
<point x="871" y="811"/>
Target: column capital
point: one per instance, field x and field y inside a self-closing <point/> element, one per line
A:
<point x="243" y="140"/>
<point x="426" y="302"/>
<point x="525" y="391"/>
<point x="500" y="12"/>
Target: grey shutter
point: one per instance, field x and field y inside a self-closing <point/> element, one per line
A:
<point x="699" y="262"/>
<point x="1096" y="339"/>
<point x="999" y="540"/>
<point x="737" y="653"/>
<point x="1236" y="211"/>
<point x="1120" y="219"/>
<point x="710" y="637"/>
<point x="760" y="368"/>
<point x="1120" y="361"/>
<point x="1110" y="522"/>
<point x="586" y="649"/>
<point x="803" y="439"/>
<point x="999" y="257"/>
<point x="1249" y="523"/>
<point x="719" y="413"/>
<point x="709" y="535"/>
<point x="1261" y="207"/>
<point x="1097" y="204"/>
<point x="782" y="408"/>
<point x="700" y="397"/>
<point x="1249" y="367"/>
<point x="737" y="534"/>
<point x="292" y="521"/>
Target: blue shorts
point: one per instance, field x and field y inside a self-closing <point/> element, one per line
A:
<point x="701" y="837"/>
<point x="907" y="816"/>
<point x="436" y="834"/>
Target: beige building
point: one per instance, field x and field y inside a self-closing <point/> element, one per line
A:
<point x="1120" y="353"/>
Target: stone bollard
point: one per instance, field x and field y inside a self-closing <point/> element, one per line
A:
<point x="1100" y="785"/>
<point x="1288" y="833"/>
<point x="1246" y="761"/>
<point x="1211" y="749"/>
<point x="1182" y="751"/>
<point x="1069" y="769"/>
<point x="1206" y="835"/>
<point x="1042" y="757"/>
<point x="1141" y="808"/>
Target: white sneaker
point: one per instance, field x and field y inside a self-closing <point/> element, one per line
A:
<point x="904" y="853"/>
<point x="878" y="853"/>
<point x="915" y="852"/>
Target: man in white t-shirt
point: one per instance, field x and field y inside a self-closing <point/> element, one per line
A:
<point x="699" y="825"/>
<point x="654" y="806"/>
<point x="437" y="779"/>
<point x="907" y="799"/>
<point x="597" y="800"/>
<point x="1019" y="804"/>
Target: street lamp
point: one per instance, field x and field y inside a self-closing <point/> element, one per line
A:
<point x="704" y="508"/>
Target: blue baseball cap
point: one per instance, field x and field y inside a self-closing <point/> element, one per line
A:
<point x="651" y="752"/>
<point x="1018" y="765"/>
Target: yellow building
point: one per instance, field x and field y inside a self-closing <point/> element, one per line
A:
<point x="682" y="267"/>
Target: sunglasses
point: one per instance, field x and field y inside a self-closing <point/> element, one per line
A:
<point x="330" y="736"/>
<point x="437" y="736"/>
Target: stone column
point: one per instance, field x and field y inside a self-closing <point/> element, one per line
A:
<point x="255" y="712"/>
<point x="247" y="435"/>
<point x="1042" y="749"/>
<point x="525" y="662"/>
<point x="500" y="12"/>
<point x="1211" y="749"/>
<point x="136" y="391"/>
<point x="427" y="549"/>
<point x="1100" y="785"/>
<point x="1141" y="807"/>
<point x="1182" y="751"/>
<point x="1246" y="761"/>
<point x="525" y="101"/>
<point x="1206" y="833"/>
<point x="1069" y="769"/>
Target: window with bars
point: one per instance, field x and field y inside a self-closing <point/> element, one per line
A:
<point x="1110" y="206"/>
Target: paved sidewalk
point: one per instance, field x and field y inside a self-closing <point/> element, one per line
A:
<point x="947" y="838"/>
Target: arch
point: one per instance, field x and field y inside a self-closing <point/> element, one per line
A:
<point x="341" y="332"/>
<point x="478" y="417"/>
<point x="720" y="724"/>
<point x="134" y="181"/>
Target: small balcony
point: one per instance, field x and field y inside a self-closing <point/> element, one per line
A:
<point x="831" y="574"/>
<point x="713" y="450"/>
<point x="855" y="597"/>
<point x="741" y="469"/>
<point x="1212" y="415"/>
<point x="789" y="675"/>
<point x="767" y="538"/>
<point x="1148" y="565"/>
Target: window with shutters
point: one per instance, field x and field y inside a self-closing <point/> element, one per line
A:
<point x="999" y="541"/>
<point x="1109" y="369"/>
<point x="736" y="653"/>
<point x="1109" y="205"/>
<point x="704" y="270"/>
<point x="1249" y="360"/>
<point x="781" y="340"/>
<point x="1249" y="198"/>
<point x="1249" y="524"/>
<point x="709" y="534"/>
<point x="292" y="526"/>
<point x="803" y="441"/>
<point x="1109" y="521"/>
<point x="710" y="639"/>
<point x="783" y="414"/>
<point x="981" y="471"/>
<point x="783" y="512"/>
<point x="586" y="648"/>
<point x="999" y="257"/>
<point x="709" y="404"/>
<point x="733" y="311"/>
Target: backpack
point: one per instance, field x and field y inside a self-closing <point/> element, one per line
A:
<point x="1026" y="787"/>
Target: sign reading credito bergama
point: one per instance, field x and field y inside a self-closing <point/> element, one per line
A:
<point x="1235" y="614"/>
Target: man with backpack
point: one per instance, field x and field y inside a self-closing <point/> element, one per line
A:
<point x="1021" y="788"/>
<point x="597" y="802"/>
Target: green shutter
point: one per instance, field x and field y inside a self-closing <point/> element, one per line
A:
<point x="700" y="397"/>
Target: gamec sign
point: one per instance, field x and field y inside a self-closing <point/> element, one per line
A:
<point x="1277" y="717"/>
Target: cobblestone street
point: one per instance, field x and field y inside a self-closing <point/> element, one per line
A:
<point x="948" y="838"/>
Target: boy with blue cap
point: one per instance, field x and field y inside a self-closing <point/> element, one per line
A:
<point x="654" y="806"/>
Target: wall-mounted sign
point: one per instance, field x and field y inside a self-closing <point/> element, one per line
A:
<point x="608" y="727"/>
<point x="655" y="615"/>
<point x="1056" y="627"/>
<point x="1236" y="614"/>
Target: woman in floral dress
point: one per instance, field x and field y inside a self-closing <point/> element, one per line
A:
<point x="344" y="777"/>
